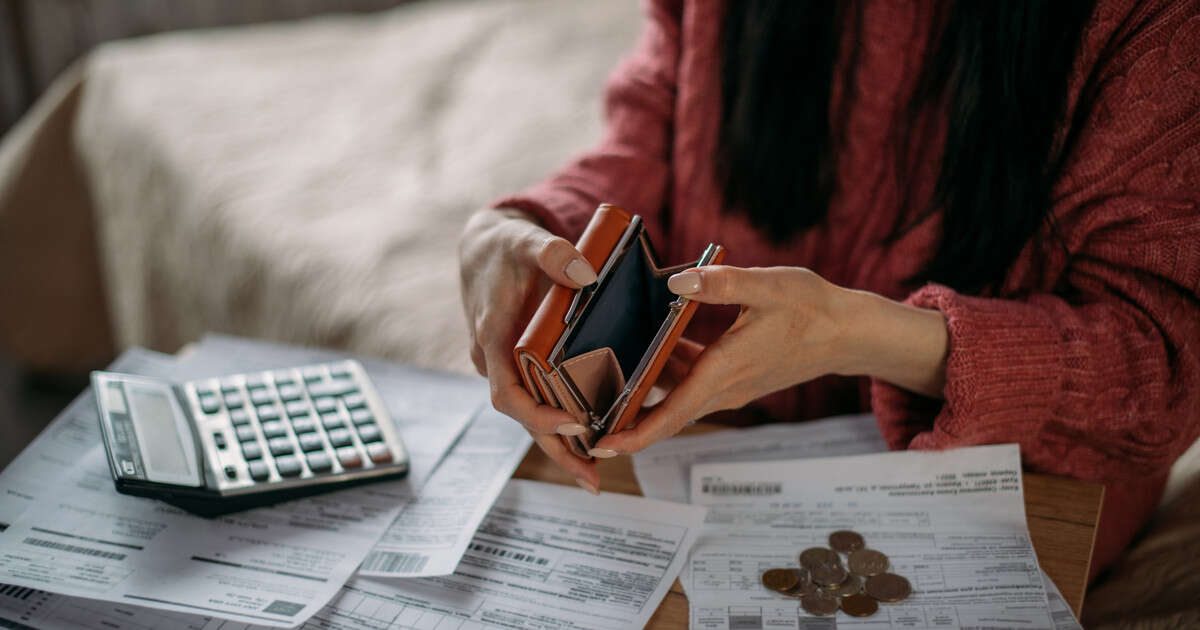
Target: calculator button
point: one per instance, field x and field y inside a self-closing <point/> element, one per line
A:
<point x="379" y="453"/>
<point x="255" y="382"/>
<point x="233" y="401"/>
<point x="283" y="376"/>
<point x="239" y="417"/>
<point x="229" y="387"/>
<point x="348" y="457"/>
<point x="326" y="404"/>
<point x="331" y="421"/>
<point x="361" y="416"/>
<point x="289" y="392"/>
<point x="231" y="472"/>
<point x="280" y="446"/>
<point x="355" y="401"/>
<point x="269" y="412"/>
<point x="273" y="429"/>
<point x="304" y="425"/>
<point x="319" y="462"/>
<point x="335" y="388"/>
<point x="288" y="466"/>
<point x="246" y="433"/>
<point x="251" y="450"/>
<point x="204" y="391"/>
<point x="259" y="471"/>
<point x="297" y="408"/>
<point x="260" y="396"/>
<point x="210" y="404"/>
<point x="313" y="374"/>
<point x="340" y="371"/>
<point x="311" y="442"/>
<point x="219" y="439"/>
<point x="369" y="433"/>
<point x="340" y="437"/>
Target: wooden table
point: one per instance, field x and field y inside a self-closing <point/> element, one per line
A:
<point x="1062" y="515"/>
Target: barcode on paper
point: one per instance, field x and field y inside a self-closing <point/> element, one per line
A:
<point x="757" y="488"/>
<point x="510" y="554"/>
<point x="394" y="562"/>
<point x="87" y="551"/>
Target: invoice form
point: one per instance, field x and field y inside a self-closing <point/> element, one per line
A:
<point x="430" y="535"/>
<point x="545" y="557"/>
<point x="952" y="522"/>
<point x="663" y="471"/>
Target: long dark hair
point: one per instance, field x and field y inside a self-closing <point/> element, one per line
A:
<point x="998" y="71"/>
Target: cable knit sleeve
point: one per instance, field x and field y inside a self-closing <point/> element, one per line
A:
<point x="630" y="166"/>
<point x="1089" y="356"/>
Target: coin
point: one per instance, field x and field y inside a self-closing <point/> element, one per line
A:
<point x="867" y="562"/>
<point x="846" y="541"/>
<point x="859" y="606"/>
<point x="852" y="586"/>
<point x="779" y="579"/>
<point x="814" y="556"/>
<point x="888" y="587"/>
<point x="801" y="590"/>
<point x="819" y="603"/>
<point x="829" y="574"/>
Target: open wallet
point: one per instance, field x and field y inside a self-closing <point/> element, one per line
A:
<point x="595" y="352"/>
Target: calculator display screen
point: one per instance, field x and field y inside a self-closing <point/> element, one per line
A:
<point x="157" y="432"/>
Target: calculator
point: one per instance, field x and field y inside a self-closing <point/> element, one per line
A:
<point x="219" y="445"/>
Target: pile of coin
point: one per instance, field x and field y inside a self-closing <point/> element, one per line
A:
<point x="823" y="584"/>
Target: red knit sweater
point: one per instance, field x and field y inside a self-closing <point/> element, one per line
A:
<point x="1089" y="358"/>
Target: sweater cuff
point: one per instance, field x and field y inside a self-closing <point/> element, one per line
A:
<point x="1000" y="371"/>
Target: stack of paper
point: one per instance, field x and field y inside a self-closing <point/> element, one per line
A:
<point x="540" y="556"/>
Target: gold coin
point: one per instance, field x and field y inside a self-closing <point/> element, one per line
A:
<point x="829" y="575"/>
<point x="779" y="579"/>
<point x="859" y="606"/>
<point x="867" y="562"/>
<point x="814" y="556"/>
<point x="888" y="587"/>
<point x="819" y="603"/>
<point x="852" y="586"/>
<point x="846" y="541"/>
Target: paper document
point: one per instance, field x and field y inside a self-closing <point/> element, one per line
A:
<point x="275" y="566"/>
<point x="546" y="556"/>
<point x="663" y="470"/>
<point x="952" y="522"/>
<point x="432" y="532"/>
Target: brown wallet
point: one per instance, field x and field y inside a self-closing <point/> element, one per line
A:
<point x="595" y="352"/>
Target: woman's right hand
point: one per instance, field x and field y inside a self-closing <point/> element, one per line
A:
<point x="507" y="262"/>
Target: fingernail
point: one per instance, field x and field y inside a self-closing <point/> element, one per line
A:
<point x="580" y="272"/>
<point x="587" y="486"/>
<point x="603" y="453"/>
<point x="570" y="428"/>
<point x="684" y="283"/>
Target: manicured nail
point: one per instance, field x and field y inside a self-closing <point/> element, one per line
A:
<point x="603" y="453"/>
<point x="587" y="486"/>
<point x="580" y="272"/>
<point x="684" y="283"/>
<point x="570" y="428"/>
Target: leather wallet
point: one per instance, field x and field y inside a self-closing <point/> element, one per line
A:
<point x="595" y="352"/>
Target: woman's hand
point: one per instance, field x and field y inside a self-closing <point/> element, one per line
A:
<point x="794" y="327"/>
<point x="507" y="262"/>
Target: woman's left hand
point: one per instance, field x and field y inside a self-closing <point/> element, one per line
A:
<point x="794" y="326"/>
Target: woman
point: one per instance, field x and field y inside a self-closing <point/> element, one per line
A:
<point x="977" y="219"/>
